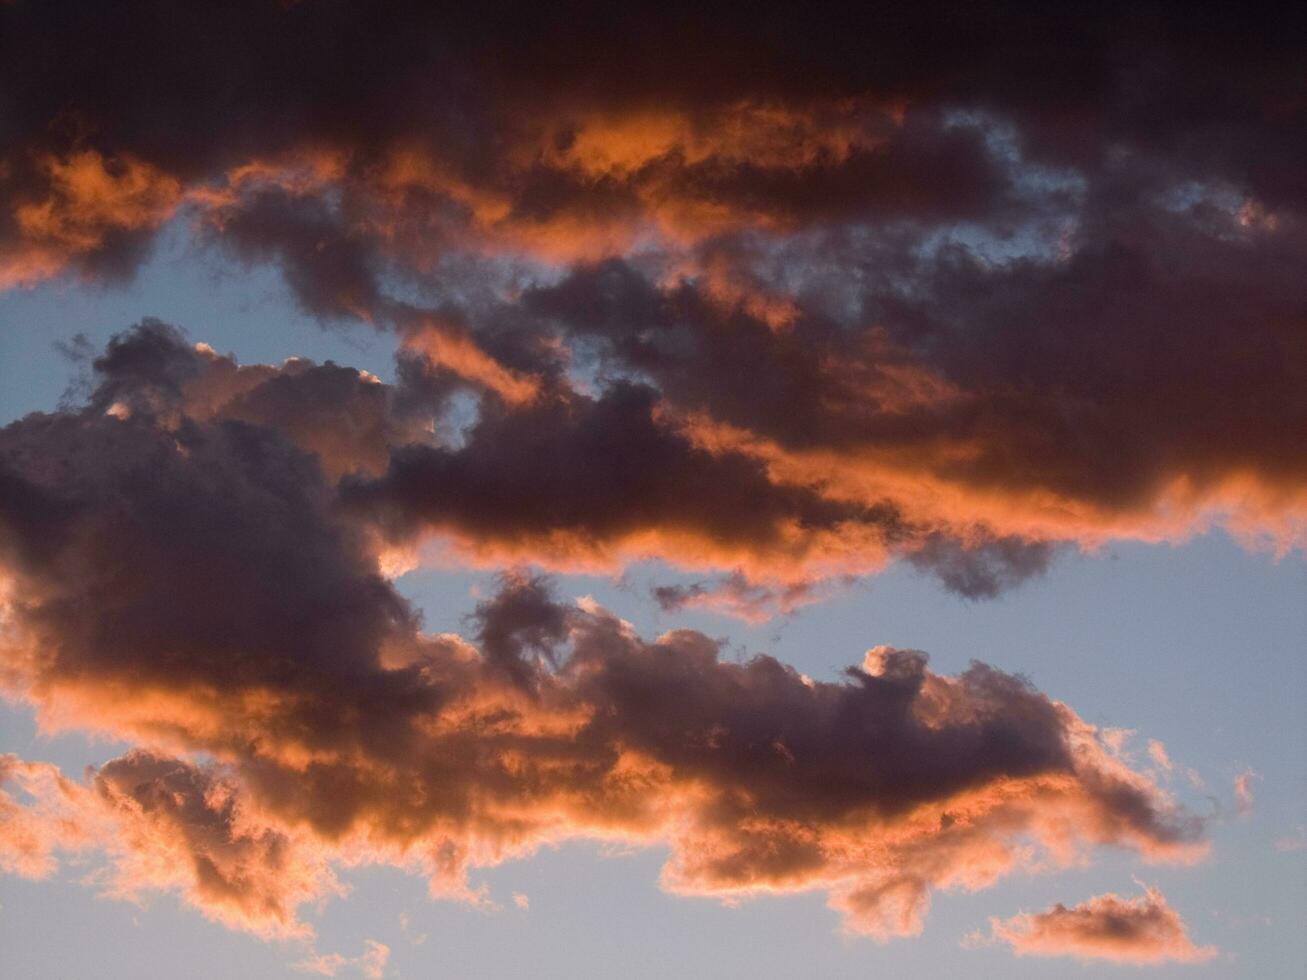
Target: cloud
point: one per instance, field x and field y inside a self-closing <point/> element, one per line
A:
<point x="330" y="268"/>
<point x="35" y="827"/>
<point x="1243" y="792"/>
<point x="545" y="473"/>
<point x="878" y="789"/>
<point x="488" y="162"/>
<point x="98" y="214"/>
<point x="776" y="299"/>
<point x="343" y="417"/>
<point x="943" y="293"/>
<point x="188" y="580"/>
<point x="950" y="395"/>
<point x="735" y="595"/>
<point x="228" y="606"/>
<point x="444" y="135"/>
<point x="323" y="964"/>
<point x="196" y="585"/>
<point x="370" y="964"/>
<point x="1157" y="752"/>
<point x="1139" y="931"/>
<point x="447" y="347"/>
<point x="575" y="481"/>
<point x="164" y="825"/>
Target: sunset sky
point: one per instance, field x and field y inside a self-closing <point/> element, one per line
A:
<point x="594" y="490"/>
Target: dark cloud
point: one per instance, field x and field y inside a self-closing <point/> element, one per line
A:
<point x="777" y="295"/>
<point x="536" y="124"/>
<point x="330" y="267"/>
<point x="598" y="475"/>
<point x="1171" y="352"/>
<point x="560" y="478"/>
<point x="1001" y="275"/>
<point x="348" y="420"/>
<point x="519" y="623"/>
<point x="1135" y="386"/>
<point x="735" y="595"/>
<point x="984" y="570"/>
<point x="547" y="474"/>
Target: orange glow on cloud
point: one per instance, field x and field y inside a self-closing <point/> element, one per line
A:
<point x="774" y="300"/>
<point x="1261" y="514"/>
<point x="1139" y="931"/>
<point x="644" y="155"/>
<point x="89" y="198"/>
<point x="447" y="347"/>
<point x="586" y="751"/>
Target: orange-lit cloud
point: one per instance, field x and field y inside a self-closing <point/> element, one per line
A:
<point x="777" y="300"/>
<point x="343" y="735"/>
<point x="453" y="350"/>
<point x="1139" y="931"/>
<point x="750" y="801"/>
<point x="589" y="185"/>
<point x="164" y="825"/>
<point x="547" y="474"/>
<point x="371" y="963"/>
<point x="89" y="200"/>
<point x="36" y="825"/>
<point x="888" y="280"/>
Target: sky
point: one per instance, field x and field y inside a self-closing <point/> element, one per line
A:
<point x="652" y="490"/>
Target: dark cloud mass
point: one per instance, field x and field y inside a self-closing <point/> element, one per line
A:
<point x="968" y="280"/>
<point x="560" y="478"/>
<point x="773" y="294"/>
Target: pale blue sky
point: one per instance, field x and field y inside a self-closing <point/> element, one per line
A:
<point x="1202" y="646"/>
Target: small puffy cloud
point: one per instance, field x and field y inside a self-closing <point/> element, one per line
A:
<point x="1138" y="931"/>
